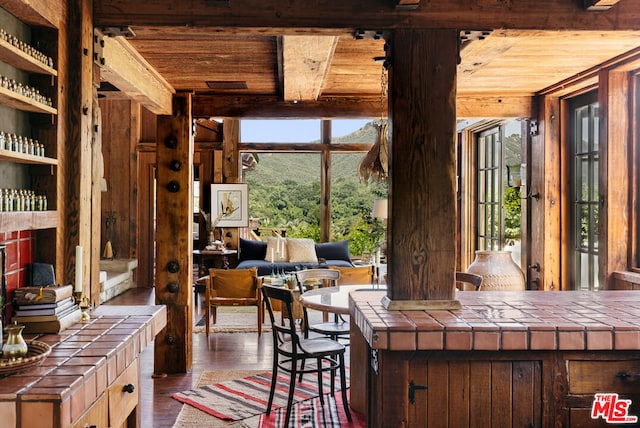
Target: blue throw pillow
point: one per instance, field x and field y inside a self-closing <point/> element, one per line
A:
<point x="252" y="250"/>
<point x="334" y="251"/>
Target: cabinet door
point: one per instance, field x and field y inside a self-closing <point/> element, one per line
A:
<point x="122" y="398"/>
<point x="477" y="393"/>
<point x="438" y="391"/>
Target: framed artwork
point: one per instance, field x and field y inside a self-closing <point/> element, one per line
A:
<point x="230" y="202"/>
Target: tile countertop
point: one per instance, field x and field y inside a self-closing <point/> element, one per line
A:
<point x="505" y="321"/>
<point x="85" y="359"/>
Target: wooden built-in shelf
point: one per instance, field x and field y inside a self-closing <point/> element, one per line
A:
<point x="22" y="60"/>
<point x="21" y="102"/>
<point x="24" y="158"/>
<point x="28" y="220"/>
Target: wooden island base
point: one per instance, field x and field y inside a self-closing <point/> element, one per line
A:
<point x="508" y="359"/>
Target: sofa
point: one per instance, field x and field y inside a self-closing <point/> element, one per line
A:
<point x="292" y="254"/>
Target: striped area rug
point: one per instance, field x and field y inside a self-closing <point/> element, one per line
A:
<point x="242" y="398"/>
<point x="312" y="414"/>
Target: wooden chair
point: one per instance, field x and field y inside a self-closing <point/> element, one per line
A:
<point x="468" y="281"/>
<point x="355" y="275"/>
<point x="310" y="278"/>
<point x="233" y="287"/>
<point x="290" y="352"/>
<point x="339" y="327"/>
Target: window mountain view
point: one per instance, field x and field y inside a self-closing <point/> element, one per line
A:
<point x="284" y="192"/>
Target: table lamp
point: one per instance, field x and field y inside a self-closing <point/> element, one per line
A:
<point x="379" y="208"/>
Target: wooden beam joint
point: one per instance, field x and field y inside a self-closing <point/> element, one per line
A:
<point x="123" y="67"/>
<point x="407" y="4"/>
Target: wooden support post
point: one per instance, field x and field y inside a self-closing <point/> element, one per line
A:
<point x="97" y="174"/>
<point x="174" y="244"/>
<point x="78" y="154"/>
<point x="544" y="199"/>
<point x="325" y="183"/>
<point x="614" y="166"/>
<point x="422" y="193"/>
<point x="231" y="155"/>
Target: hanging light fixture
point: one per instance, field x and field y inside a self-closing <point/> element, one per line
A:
<point x="375" y="164"/>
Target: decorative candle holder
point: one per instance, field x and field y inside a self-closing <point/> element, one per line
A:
<point x="84" y="304"/>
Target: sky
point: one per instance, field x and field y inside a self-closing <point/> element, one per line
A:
<point x="292" y="131"/>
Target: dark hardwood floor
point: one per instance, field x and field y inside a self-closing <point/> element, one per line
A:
<point x="220" y="351"/>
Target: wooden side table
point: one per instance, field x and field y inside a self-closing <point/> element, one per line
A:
<point x="213" y="258"/>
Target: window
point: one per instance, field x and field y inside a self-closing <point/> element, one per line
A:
<point x="285" y="188"/>
<point x="489" y="184"/>
<point x="352" y="204"/>
<point x="498" y="200"/>
<point x="284" y="192"/>
<point x="280" y="131"/>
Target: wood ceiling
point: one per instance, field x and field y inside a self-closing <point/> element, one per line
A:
<point x="311" y="65"/>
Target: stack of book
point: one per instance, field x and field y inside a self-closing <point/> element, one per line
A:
<point x="45" y="309"/>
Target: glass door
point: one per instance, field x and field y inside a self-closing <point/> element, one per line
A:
<point x="584" y="197"/>
<point x="498" y="196"/>
<point x="489" y="218"/>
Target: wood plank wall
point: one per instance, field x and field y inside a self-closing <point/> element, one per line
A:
<point x="120" y="136"/>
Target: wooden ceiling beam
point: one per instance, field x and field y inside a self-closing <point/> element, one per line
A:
<point x="483" y="106"/>
<point x="306" y="61"/>
<point x="270" y="107"/>
<point x="125" y="69"/>
<point x="369" y="14"/>
<point x="47" y="13"/>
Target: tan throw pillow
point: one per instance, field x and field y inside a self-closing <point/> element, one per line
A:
<point x="301" y="250"/>
<point x="276" y="250"/>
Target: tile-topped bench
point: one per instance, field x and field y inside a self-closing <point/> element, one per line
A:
<point x="81" y="383"/>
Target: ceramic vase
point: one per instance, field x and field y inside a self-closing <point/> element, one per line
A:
<point x="498" y="270"/>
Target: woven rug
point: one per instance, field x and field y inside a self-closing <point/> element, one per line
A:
<point x="248" y="396"/>
<point x="191" y="417"/>
<point x="243" y="319"/>
<point x="234" y="319"/>
<point x="306" y="414"/>
<point x="311" y="414"/>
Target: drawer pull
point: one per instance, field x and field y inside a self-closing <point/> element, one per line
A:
<point x="627" y="376"/>
<point x="128" y="388"/>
